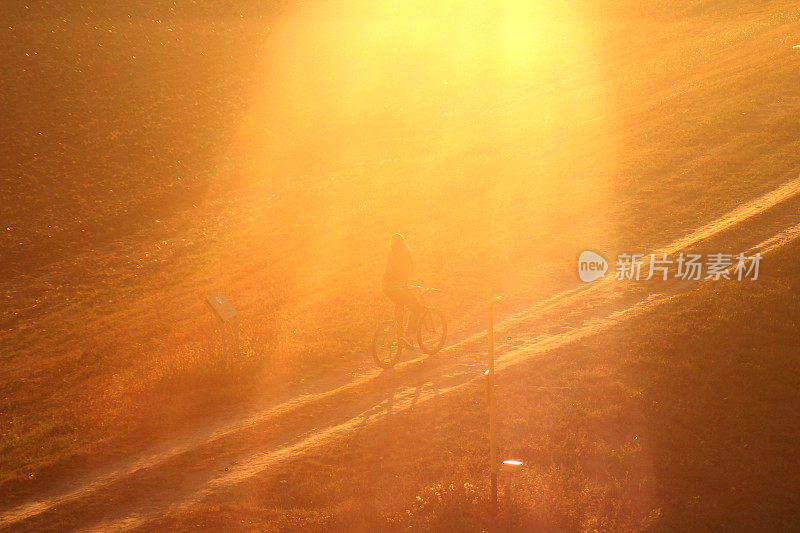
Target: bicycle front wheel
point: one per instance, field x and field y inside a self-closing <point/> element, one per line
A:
<point x="432" y="331"/>
<point x="386" y="345"/>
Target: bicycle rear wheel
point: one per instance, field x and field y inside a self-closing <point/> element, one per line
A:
<point x="386" y="345"/>
<point x="432" y="331"/>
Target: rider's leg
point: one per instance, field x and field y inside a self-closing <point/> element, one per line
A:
<point x="399" y="313"/>
<point x="402" y="297"/>
<point x="399" y="310"/>
<point x="413" y="320"/>
<point x="395" y="294"/>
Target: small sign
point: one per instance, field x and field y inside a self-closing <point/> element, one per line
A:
<point x="221" y="307"/>
<point x="510" y="465"/>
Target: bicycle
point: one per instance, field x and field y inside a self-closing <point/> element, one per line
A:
<point x="431" y="332"/>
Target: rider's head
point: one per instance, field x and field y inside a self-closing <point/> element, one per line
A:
<point x="397" y="242"/>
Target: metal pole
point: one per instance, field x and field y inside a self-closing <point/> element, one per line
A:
<point x="492" y="412"/>
<point x="509" y="481"/>
<point x="236" y="336"/>
<point x="224" y="344"/>
<point x="510" y="467"/>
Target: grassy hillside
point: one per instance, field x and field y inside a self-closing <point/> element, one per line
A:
<point x="156" y="156"/>
<point x="682" y="418"/>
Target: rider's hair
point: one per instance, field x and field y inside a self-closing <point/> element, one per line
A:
<point x="398" y="242"/>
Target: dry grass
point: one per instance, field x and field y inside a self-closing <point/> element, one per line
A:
<point x="678" y="419"/>
<point x="102" y="348"/>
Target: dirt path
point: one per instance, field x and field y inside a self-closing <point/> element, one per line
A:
<point x="176" y="475"/>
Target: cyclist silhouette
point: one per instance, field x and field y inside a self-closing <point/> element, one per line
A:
<point x="399" y="268"/>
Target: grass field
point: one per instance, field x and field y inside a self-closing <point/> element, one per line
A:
<point x="153" y="155"/>
<point x="679" y="419"/>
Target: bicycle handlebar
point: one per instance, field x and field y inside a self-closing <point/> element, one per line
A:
<point x="424" y="289"/>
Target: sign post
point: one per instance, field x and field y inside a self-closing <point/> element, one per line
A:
<point x="494" y="467"/>
<point x="511" y="467"/>
<point x="225" y="313"/>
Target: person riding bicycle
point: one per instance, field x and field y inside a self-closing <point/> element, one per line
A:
<point x="399" y="268"/>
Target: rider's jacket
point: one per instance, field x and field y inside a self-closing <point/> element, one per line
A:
<point x="398" y="268"/>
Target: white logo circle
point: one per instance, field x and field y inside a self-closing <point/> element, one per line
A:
<point x="591" y="266"/>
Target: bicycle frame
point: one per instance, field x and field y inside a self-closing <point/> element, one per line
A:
<point x="395" y="329"/>
<point x="423" y="292"/>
